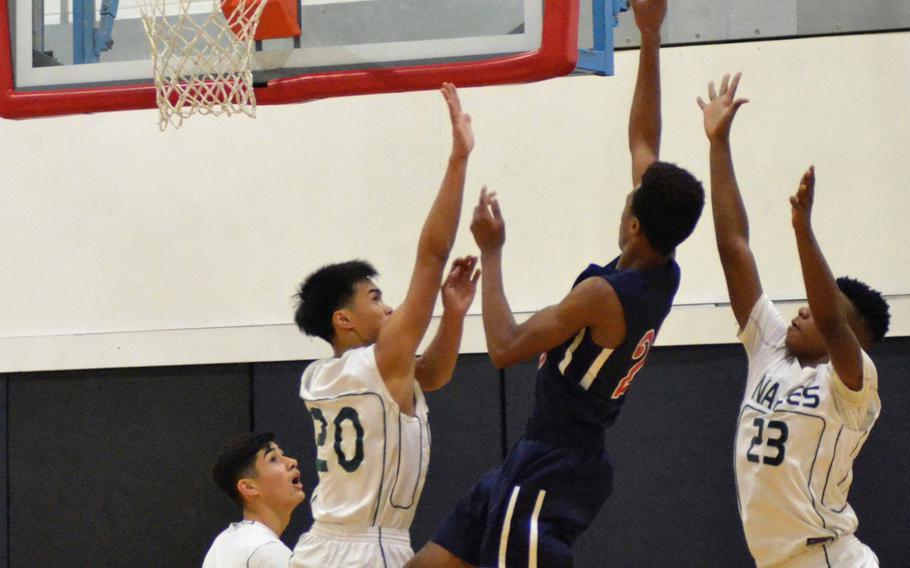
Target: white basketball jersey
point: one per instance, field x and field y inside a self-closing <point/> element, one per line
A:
<point x="371" y="458"/>
<point x="247" y="544"/>
<point x="799" y="431"/>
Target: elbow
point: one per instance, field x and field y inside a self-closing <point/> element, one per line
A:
<point x="502" y="358"/>
<point x="435" y="384"/>
<point x="732" y="248"/>
<point x="435" y="250"/>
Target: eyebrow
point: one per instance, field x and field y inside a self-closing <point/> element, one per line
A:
<point x="377" y="290"/>
<point x="272" y="448"/>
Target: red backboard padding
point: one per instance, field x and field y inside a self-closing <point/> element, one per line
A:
<point x="557" y="56"/>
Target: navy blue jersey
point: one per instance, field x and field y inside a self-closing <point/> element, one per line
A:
<point x="581" y="385"/>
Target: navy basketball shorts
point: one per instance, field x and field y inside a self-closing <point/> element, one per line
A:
<point x="529" y="511"/>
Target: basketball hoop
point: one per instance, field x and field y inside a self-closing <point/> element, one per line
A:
<point x="202" y="61"/>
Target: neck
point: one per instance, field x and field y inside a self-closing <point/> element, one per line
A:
<point x="807" y="362"/>
<point x="641" y="258"/>
<point x="275" y="520"/>
<point x="346" y="343"/>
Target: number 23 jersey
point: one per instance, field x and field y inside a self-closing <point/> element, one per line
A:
<point x="371" y="458"/>
<point x="800" y="428"/>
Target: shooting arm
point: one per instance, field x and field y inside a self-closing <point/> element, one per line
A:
<point x="645" y="117"/>
<point x="509" y="343"/>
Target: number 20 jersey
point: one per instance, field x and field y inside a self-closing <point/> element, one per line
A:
<point x="799" y="431"/>
<point x="371" y="458"/>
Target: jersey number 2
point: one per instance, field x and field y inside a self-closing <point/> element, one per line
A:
<point x="639" y="355"/>
<point x="349" y="414"/>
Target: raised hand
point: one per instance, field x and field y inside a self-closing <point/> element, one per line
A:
<point x="462" y="133"/>
<point x="801" y="202"/>
<point x="649" y="14"/>
<point x="721" y="108"/>
<point x="460" y="285"/>
<point x="487" y="225"/>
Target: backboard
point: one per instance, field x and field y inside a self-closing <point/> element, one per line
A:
<point x="75" y="56"/>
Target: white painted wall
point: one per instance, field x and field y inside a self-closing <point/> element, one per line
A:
<point x="123" y="246"/>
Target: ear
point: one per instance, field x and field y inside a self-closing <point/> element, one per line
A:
<point x="343" y="320"/>
<point x="635" y="226"/>
<point x="246" y="487"/>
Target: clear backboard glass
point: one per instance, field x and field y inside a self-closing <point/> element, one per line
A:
<point x="61" y="43"/>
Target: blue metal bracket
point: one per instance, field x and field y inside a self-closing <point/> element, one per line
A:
<point x="103" y="39"/>
<point x="599" y="59"/>
<point x="88" y="41"/>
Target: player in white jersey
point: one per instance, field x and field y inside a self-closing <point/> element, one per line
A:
<point x="257" y="475"/>
<point x="811" y="395"/>
<point x="367" y="403"/>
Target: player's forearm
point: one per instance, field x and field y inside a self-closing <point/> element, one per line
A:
<point x="821" y="287"/>
<point x="498" y="322"/>
<point x="435" y="367"/>
<point x="438" y="233"/>
<point x="731" y="223"/>
<point x="645" y="117"/>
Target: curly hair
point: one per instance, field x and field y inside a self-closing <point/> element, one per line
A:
<point x="668" y="204"/>
<point x="869" y="303"/>
<point x="324" y="291"/>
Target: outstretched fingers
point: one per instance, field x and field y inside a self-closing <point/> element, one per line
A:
<point x="450" y="94"/>
<point x="735" y="84"/>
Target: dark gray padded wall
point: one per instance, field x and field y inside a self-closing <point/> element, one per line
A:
<point x="112" y="468"/>
<point x="464" y="425"/>
<point x="4" y="540"/>
<point x="881" y="487"/>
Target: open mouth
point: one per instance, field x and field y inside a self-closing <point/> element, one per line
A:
<point x="295" y="481"/>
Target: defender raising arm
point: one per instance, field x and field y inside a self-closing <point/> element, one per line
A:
<point x="731" y="224"/>
<point x="367" y="403"/>
<point x="811" y="394"/>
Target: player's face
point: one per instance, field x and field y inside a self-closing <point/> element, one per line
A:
<point x="803" y="337"/>
<point x="278" y="479"/>
<point x="369" y="312"/>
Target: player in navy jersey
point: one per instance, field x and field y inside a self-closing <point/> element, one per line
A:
<point x="530" y="511"/>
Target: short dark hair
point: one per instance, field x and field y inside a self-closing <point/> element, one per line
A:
<point x="324" y="291"/>
<point x="869" y="303"/>
<point x="237" y="460"/>
<point x="668" y="204"/>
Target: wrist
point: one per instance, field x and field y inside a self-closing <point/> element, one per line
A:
<point x="458" y="157"/>
<point x="452" y="315"/>
<point x="719" y="141"/>
<point x="650" y="37"/>
<point x="803" y="228"/>
<point x="491" y="252"/>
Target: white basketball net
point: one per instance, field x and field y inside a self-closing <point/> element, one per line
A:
<point x="201" y="61"/>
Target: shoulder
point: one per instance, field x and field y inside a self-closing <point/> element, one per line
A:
<point x="270" y="554"/>
<point x="355" y="370"/>
<point x="765" y="330"/>
<point x="594" y="293"/>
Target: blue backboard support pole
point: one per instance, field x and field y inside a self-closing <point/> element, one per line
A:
<point x="599" y="59"/>
<point x="84" y="31"/>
